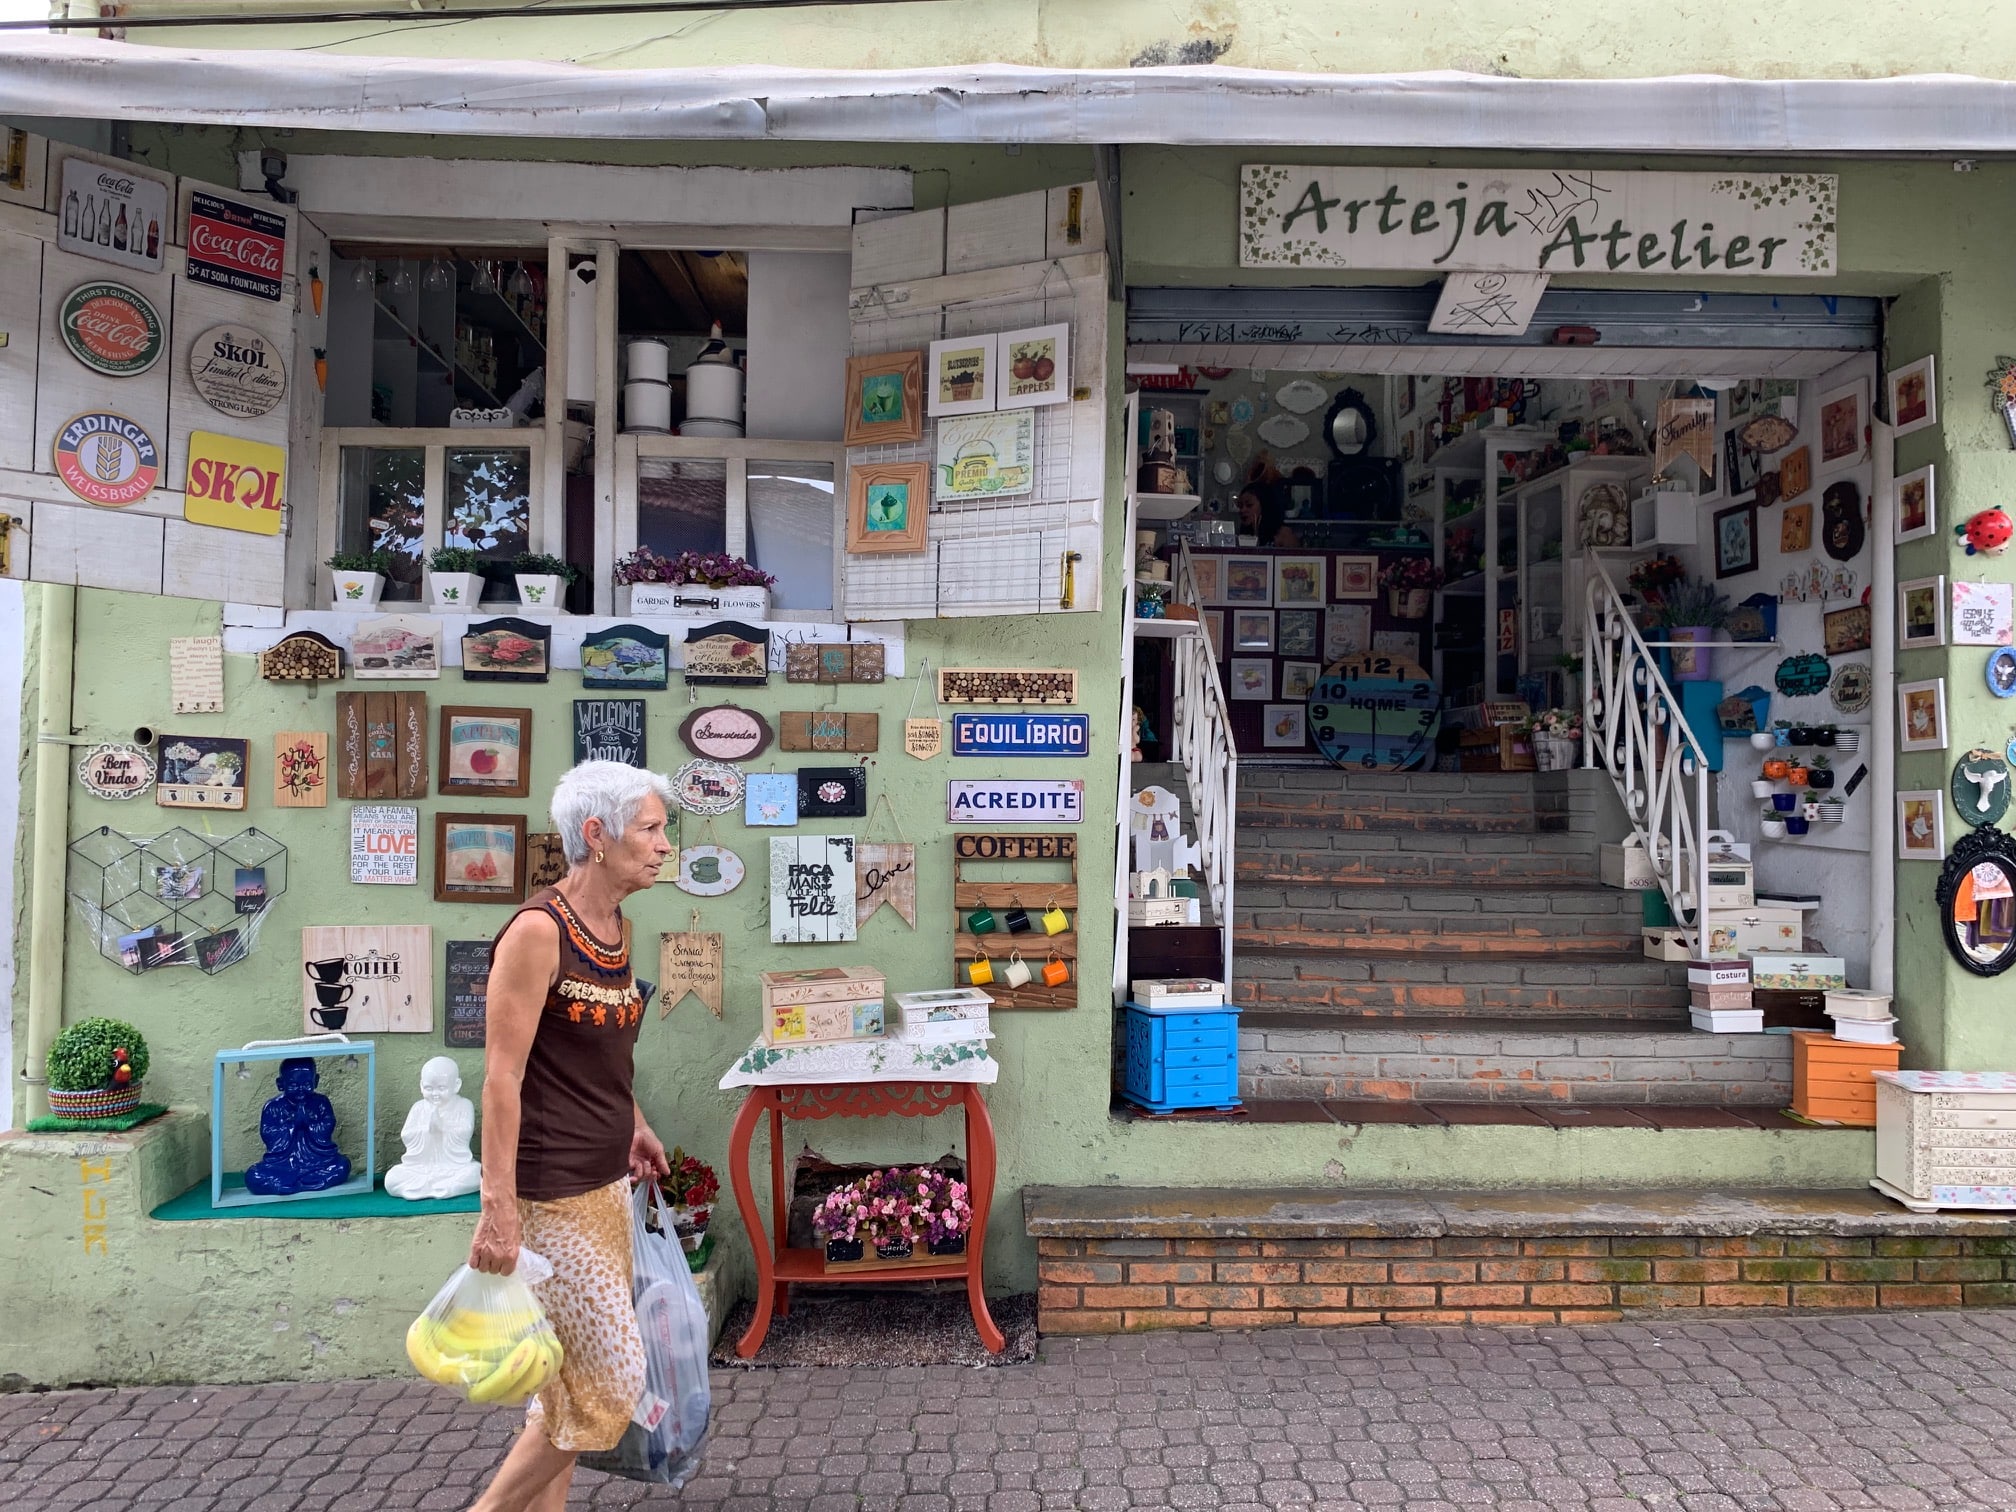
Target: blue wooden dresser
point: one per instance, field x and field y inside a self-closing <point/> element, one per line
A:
<point x="1182" y="1057"/>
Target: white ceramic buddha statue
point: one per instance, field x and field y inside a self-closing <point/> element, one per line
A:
<point x="438" y="1130"/>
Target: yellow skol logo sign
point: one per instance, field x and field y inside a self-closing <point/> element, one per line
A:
<point x="234" y="484"/>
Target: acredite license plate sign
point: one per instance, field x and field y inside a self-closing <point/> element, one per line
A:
<point x="235" y="246"/>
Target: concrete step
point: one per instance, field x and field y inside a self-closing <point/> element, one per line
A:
<point x="1457" y="814"/>
<point x="1407" y="858"/>
<point x="1504" y="1060"/>
<point x="1464" y="919"/>
<point x="1383" y="985"/>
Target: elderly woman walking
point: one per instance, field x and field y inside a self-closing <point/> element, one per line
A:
<point x="561" y="1129"/>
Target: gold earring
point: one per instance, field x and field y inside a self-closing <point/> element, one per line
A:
<point x="598" y="858"/>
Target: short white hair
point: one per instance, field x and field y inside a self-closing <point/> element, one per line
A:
<point x="611" y="791"/>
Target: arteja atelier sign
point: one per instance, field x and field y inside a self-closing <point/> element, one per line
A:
<point x="237" y="247"/>
<point x="1551" y="220"/>
<point x="111" y="329"/>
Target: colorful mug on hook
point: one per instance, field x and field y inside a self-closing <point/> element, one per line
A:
<point x="980" y="921"/>
<point x="1055" y="972"/>
<point x="1054" y="920"/>
<point x="980" y="971"/>
<point x="1016" y="973"/>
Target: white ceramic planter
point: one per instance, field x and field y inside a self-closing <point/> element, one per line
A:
<point x="1847" y="740"/>
<point x="357" y="592"/>
<point x="698" y="601"/>
<point x="540" y="592"/>
<point x="1763" y="740"/>
<point x="1774" y="829"/>
<point x="455" y="590"/>
<point x="1761" y="789"/>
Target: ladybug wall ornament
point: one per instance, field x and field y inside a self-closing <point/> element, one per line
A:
<point x="1988" y="533"/>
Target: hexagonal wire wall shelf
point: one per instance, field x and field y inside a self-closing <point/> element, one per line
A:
<point x="177" y="898"/>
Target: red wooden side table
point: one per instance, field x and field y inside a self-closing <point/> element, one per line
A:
<point x="778" y="1264"/>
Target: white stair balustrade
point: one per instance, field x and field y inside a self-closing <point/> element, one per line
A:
<point x="1635" y="729"/>
<point x="1202" y="746"/>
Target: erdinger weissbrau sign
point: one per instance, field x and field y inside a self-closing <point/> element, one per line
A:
<point x="237" y="247"/>
<point x="1550" y="220"/>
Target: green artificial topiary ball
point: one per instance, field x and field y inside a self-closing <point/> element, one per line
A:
<point x="83" y="1057"/>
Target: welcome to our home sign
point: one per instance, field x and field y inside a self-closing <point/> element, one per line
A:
<point x="1552" y="220"/>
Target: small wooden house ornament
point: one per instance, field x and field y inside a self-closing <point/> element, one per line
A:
<point x="304" y="656"/>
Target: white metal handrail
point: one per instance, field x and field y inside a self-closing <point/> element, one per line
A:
<point x="1202" y="744"/>
<point x="1637" y="731"/>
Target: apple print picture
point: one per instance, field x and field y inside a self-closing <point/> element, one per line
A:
<point x="484" y="750"/>
<point x="1035" y="367"/>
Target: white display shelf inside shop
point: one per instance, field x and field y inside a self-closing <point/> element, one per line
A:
<point x="249" y="630"/>
<point x="1166" y="629"/>
<point x="1154" y="506"/>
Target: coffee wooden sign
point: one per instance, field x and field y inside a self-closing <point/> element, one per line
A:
<point x="986" y="847"/>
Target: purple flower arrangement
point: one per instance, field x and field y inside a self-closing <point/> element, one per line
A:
<point x="712" y="569"/>
<point x="922" y="1205"/>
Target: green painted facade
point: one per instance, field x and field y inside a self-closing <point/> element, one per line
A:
<point x="273" y="1298"/>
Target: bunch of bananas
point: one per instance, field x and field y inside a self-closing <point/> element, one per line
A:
<point x="485" y="1356"/>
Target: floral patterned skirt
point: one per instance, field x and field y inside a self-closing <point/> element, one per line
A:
<point x="588" y="1405"/>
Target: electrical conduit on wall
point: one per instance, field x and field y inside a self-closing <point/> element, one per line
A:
<point x="56" y="611"/>
<point x="13" y="640"/>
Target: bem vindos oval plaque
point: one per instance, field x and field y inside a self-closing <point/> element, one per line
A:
<point x="724" y="732"/>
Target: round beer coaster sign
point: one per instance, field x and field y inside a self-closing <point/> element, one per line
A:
<point x="110" y="328"/>
<point x="106" y="459"/>
<point x="237" y="371"/>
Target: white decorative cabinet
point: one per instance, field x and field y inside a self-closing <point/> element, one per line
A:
<point x="1946" y="1139"/>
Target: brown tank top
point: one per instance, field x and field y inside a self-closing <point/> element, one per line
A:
<point x="575" y="1114"/>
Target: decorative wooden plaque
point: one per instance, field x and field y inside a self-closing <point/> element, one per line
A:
<point x="367" y="978"/>
<point x="624" y="656"/>
<point x="381" y="746"/>
<point x="728" y="653"/>
<point x="693" y="962"/>
<point x="828" y="730"/>
<point x="1037" y="897"/>
<point x="724" y="732"/>
<point x="545" y="862"/>
<point x="303" y="656"/>
<point x="507" y="650"/>
<point x="1007" y="685"/>
<point x="844" y="662"/>
<point x="885" y="873"/>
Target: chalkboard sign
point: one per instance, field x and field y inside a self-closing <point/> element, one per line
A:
<point x="468" y="981"/>
<point x="609" y="729"/>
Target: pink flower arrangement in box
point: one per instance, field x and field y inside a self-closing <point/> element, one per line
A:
<point x="1410" y="572"/>
<point x="710" y="569"/>
<point x="921" y="1205"/>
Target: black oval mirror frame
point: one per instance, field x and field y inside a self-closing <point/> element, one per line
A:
<point x="1986" y="845"/>
<point x="1350" y="437"/>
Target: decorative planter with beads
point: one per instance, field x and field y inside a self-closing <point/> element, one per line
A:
<point x="95" y="1069"/>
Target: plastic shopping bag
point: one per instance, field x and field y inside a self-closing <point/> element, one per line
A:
<point x="486" y="1337"/>
<point x="662" y="1443"/>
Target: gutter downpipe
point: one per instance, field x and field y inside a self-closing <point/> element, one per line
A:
<point x="49" y="837"/>
<point x="1882" y="716"/>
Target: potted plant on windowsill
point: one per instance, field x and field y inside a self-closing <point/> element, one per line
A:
<point x="360" y="578"/>
<point x="455" y="578"/>
<point x="95" y="1069"/>
<point x="694" y="585"/>
<point x="542" y="580"/>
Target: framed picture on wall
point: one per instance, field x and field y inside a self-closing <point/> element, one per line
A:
<point x="1736" y="540"/>
<point x="888" y="507"/>
<point x="479" y="858"/>
<point x="1298" y="678"/>
<point x="1357" y="578"/>
<point x="885" y="398"/>
<point x="1284" y="726"/>
<point x="1035" y="366"/>
<point x="1298" y="580"/>
<point x="1921" y="715"/>
<point x="1921" y="614"/>
<point x="1845" y="631"/>
<point x="1347" y="631"/>
<point x="1253" y="630"/>
<point x="1795" y="529"/>
<point x="1917" y="514"/>
<point x="1248" y="582"/>
<point x="1914" y="402"/>
<point x="1844" y="416"/>
<point x="961" y="377"/>
<point x="1213" y="621"/>
<point x="1299" y="632"/>
<point x="1252" y="679"/>
<point x="1921" y="825"/>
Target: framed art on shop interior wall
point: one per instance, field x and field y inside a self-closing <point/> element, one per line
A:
<point x="1035" y="367"/>
<point x="1298" y="581"/>
<point x="885" y="399"/>
<point x="1252" y="679"/>
<point x="1921" y="613"/>
<point x="961" y="376"/>
<point x="1921" y="825"/>
<point x="1298" y="679"/>
<point x="1298" y="632"/>
<point x="1248" y="582"/>
<point x="1357" y="578"/>
<point x="1844" y="418"/>
<point x="1205" y="569"/>
<point x="1213" y="621"/>
<point x="1252" y="630"/>
<point x="1914" y="399"/>
<point x="1917" y="511"/>
<point x="1284" y="726"/>
<point x="1921" y="715"/>
<point x="888" y="507"/>
<point x="1736" y="540"/>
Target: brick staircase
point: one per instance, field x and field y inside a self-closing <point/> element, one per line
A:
<point x="1445" y="937"/>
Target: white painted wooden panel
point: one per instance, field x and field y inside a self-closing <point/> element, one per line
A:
<point x="19" y="536"/>
<point x="302" y="531"/>
<point x="198" y="308"/>
<point x="66" y="388"/>
<point x="997" y="233"/>
<point x="899" y="248"/>
<point x="797" y="345"/>
<point x="95" y="548"/>
<point x="34" y="187"/>
<point x="1077" y="221"/>
<point x="202" y="561"/>
<point x="21" y="319"/>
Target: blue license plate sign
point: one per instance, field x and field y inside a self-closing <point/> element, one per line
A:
<point x="1021" y="734"/>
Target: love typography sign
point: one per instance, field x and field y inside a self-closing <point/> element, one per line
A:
<point x="1553" y="220"/>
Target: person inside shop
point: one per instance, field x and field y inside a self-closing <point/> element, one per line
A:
<point x="1263" y="507"/>
<point x="563" y="1136"/>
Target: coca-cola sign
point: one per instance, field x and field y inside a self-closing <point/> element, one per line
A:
<point x="115" y="214"/>
<point x="110" y="328"/>
<point x="237" y="371"/>
<point x="235" y="246"/>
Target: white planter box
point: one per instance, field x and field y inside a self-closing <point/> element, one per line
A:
<point x="541" y="592"/>
<point x="357" y="592"/>
<point x="1665" y="517"/>
<point x="1627" y="865"/>
<point x="455" y="592"/>
<point x="697" y="601"/>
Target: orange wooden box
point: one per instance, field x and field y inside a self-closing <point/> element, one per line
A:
<point x="1831" y="1078"/>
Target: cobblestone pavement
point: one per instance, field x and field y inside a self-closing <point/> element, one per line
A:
<point x="1893" y="1411"/>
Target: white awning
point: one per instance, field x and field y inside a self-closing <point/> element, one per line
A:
<point x="88" y="79"/>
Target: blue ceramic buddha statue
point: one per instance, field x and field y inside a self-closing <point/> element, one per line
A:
<point x="299" y="1131"/>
